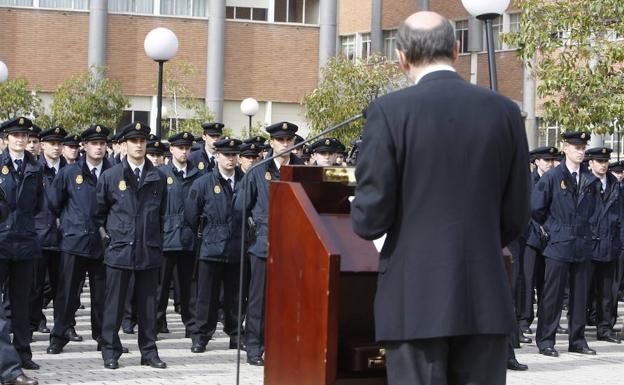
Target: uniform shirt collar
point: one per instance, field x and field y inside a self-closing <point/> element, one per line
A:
<point x="134" y="166"/>
<point x="433" y="68"/>
<point x="98" y="167"/>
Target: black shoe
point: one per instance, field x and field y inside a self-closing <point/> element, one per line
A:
<point x="524" y="339"/>
<point x="164" y="329"/>
<point x="54" y="349"/>
<point x="128" y="330"/>
<point x="81" y="307"/>
<point x="550" y="352"/>
<point x="43" y="329"/>
<point x="513" y="364"/>
<point x="22" y="380"/>
<point x="582" y="350"/>
<point x="124" y="349"/>
<point x="30" y="365"/>
<point x="611" y="337"/>
<point x="526" y="330"/>
<point x="73" y="336"/>
<point x="155" y="362"/>
<point x="234" y="345"/>
<point x="561" y="330"/>
<point x="255" y="361"/>
<point x="198" y="348"/>
<point x="111" y="364"/>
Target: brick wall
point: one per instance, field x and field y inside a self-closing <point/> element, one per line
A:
<point x="354" y="16"/>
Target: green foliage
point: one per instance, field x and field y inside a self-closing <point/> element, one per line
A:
<point x="86" y="99"/>
<point x="17" y="100"/>
<point x="346" y="88"/>
<point x="578" y="51"/>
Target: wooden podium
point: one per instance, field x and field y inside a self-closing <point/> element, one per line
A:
<point x="321" y="281"/>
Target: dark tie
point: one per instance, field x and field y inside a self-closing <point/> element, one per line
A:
<point x="212" y="162"/>
<point x="53" y="169"/>
<point x="94" y="172"/>
<point x="137" y="173"/>
<point x="574" y="174"/>
<point x="18" y="165"/>
<point x="231" y="183"/>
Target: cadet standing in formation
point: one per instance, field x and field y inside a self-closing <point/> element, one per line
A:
<point x="131" y="203"/>
<point x="204" y="158"/>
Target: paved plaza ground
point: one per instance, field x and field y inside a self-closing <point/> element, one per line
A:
<point x="80" y="363"/>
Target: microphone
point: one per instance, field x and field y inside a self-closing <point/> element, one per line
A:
<point x="244" y="219"/>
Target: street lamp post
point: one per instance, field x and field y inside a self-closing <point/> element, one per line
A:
<point x="161" y="45"/>
<point x="4" y="72"/>
<point x="487" y="11"/>
<point x="249" y="107"/>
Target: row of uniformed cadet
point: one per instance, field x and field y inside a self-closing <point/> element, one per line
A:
<point x="141" y="210"/>
<point x="574" y="243"/>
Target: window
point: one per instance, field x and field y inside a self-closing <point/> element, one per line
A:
<point x="64" y="4"/>
<point x="297" y="11"/>
<point x="390" y="45"/>
<point x="183" y="7"/>
<point x="130" y="116"/>
<point x="365" y="46"/>
<point x="246" y="13"/>
<point x="497" y="29"/>
<point x="347" y="46"/>
<point x="131" y="6"/>
<point x="549" y="136"/>
<point x="21" y="3"/>
<point x="461" y="34"/>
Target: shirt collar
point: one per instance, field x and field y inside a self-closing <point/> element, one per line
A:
<point x="433" y="68"/>
<point x="285" y="163"/>
<point x="133" y="166"/>
<point x="91" y="166"/>
<point x="233" y="177"/>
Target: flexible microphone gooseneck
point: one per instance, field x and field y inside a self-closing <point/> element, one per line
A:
<point x="244" y="219"/>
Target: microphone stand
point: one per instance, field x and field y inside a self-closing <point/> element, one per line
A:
<point x="245" y="181"/>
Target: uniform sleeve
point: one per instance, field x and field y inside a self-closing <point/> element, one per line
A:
<point x="57" y="193"/>
<point x="163" y="204"/>
<point x="515" y="206"/>
<point x="541" y="198"/>
<point x="247" y="191"/>
<point x="373" y="210"/>
<point x="4" y="206"/>
<point x="103" y="201"/>
<point x="40" y="193"/>
<point x="194" y="204"/>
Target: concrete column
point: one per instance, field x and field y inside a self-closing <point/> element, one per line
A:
<point x="98" y="19"/>
<point x="376" y="27"/>
<point x="596" y="141"/>
<point x="328" y="31"/>
<point x="423" y="5"/>
<point x="528" y="105"/>
<point x="215" y="58"/>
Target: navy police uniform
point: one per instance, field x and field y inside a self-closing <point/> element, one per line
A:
<point x="178" y="238"/>
<point x="73" y="198"/>
<point x="255" y="190"/>
<point x="211" y="197"/>
<point x="131" y="205"/>
<point x="563" y="204"/>
<point x="22" y="182"/>
<point x="204" y="161"/>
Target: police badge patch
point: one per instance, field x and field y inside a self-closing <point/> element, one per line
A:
<point x="267" y="175"/>
<point x="217" y="189"/>
<point x="122" y="185"/>
<point x="169" y="180"/>
<point x="201" y="166"/>
<point x="563" y="185"/>
<point x="79" y="179"/>
<point x="5" y="170"/>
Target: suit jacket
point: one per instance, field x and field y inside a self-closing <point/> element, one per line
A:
<point x="607" y="222"/>
<point x="443" y="171"/>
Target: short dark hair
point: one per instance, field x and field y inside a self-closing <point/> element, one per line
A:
<point x="424" y="46"/>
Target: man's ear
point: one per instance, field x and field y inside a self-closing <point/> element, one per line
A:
<point x="404" y="65"/>
<point x="456" y="50"/>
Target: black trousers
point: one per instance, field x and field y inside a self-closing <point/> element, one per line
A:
<point x="254" y="323"/>
<point x="74" y="269"/>
<point x="617" y="282"/>
<point x="557" y="274"/>
<point x="601" y="295"/>
<point x="211" y="276"/>
<point x="145" y="287"/>
<point x="18" y="277"/>
<point x="130" y="314"/>
<point x="461" y="360"/>
<point x="10" y="362"/>
<point x="532" y="285"/>
<point x="184" y="263"/>
<point x="45" y="271"/>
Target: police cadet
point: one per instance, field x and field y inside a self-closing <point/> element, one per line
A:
<point x="47" y="229"/>
<point x="533" y="260"/>
<point x="211" y="196"/>
<point x="73" y="198"/>
<point x="178" y="237"/>
<point x="608" y="228"/>
<point x="326" y="151"/>
<point x="204" y="159"/>
<point x="563" y="202"/>
<point x="71" y="144"/>
<point x="155" y="150"/>
<point x="248" y="155"/>
<point x="255" y="186"/>
<point x="10" y="371"/>
<point x="22" y="182"/>
<point x="34" y="144"/>
<point x="617" y="169"/>
<point x="131" y="201"/>
<point x="299" y="150"/>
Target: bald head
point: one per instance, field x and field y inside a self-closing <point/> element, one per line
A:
<point x="426" y="38"/>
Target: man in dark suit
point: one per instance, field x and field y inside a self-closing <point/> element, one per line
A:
<point x="443" y="307"/>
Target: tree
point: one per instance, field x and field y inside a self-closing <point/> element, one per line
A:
<point x="17" y="100"/>
<point x="86" y="99"/>
<point x="578" y="55"/>
<point x="345" y="89"/>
